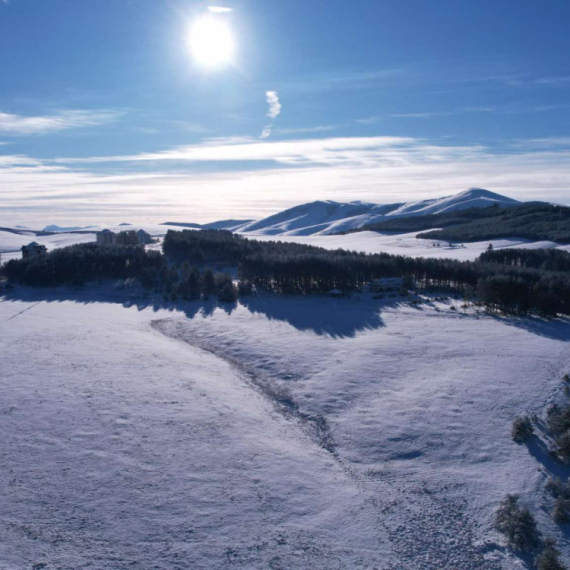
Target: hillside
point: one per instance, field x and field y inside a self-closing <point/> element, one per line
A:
<point x="171" y="451"/>
<point x="327" y="217"/>
<point x="534" y="221"/>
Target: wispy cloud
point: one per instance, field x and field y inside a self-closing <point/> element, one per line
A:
<point x="554" y="81"/>
<point x="423" y="115"/>
<point x="271" y="175"/>
<point x="294" y="152"/>
<point x="274" y="104"/>
<point x="219" y="9"/>
<point x="69" y="119"/>
<point x="305" y="130"/>
<point x="369" y="120"/>
<point x="509" y="108"/>
<point x="274" y="110"/>
<point x="542" y="143"/>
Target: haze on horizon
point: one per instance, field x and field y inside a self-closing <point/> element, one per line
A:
<point x="136" y="110"/>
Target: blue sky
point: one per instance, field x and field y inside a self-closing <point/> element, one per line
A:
<point x="106" y="116"/>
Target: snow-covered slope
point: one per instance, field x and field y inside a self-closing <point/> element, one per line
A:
<point x="225" y="225"/>
<point x="408" y="244"/>
<point x="169" y="451"/>
<point x="325" y="217"/>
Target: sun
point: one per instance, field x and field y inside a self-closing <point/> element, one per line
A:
<point x="211" y="42"/>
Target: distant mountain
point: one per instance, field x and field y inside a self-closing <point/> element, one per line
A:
<point x="327" y="217"/>
<point x="181" y="224"/>
<point x="57" y="229"/>
<point x="226" y="224"/>
<point x="221" y="225"/>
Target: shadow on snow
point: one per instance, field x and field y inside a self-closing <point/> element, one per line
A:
<point x="338" y="318"/>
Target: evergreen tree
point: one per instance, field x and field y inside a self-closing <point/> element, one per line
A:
<point x="517" y="524"/>
<point x="549" y="559"/>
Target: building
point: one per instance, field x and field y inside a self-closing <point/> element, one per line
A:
<point x="106" y="238"/>
<point x="33" y="250"/>
<point x="144" y="237"/>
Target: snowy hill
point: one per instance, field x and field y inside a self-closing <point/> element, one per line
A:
<point x="326" y="217"/>
<point x="171" y="452"/>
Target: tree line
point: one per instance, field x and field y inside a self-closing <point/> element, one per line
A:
<point x="533" y="220"/>
<point x="515" y="281"/>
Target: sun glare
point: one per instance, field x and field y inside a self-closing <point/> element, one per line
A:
<point x="211" y="42"/>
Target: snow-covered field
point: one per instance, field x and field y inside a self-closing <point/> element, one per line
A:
<point x="11" y="243"/>
<point x="407" y="244"/>
<point x="136" y="435"/>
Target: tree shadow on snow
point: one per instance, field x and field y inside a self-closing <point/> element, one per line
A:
<point x="538" y="448"/>
<point x="337" y="318"/>
<point x="322" y="315"/>
<point x="127" y="299"/>
<point x="555" y="329"/>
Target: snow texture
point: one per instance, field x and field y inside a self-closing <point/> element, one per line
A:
<point x="278" y="433"/>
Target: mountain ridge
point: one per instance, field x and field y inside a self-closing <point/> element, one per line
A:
<point x="322" y="217"/>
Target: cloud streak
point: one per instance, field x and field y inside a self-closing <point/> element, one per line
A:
<point x="274" y="110"/>
<point x="261" y="177"/>
<point x="220" y="9"/>
<point x="12" y="124"/>
<point x="274" y="104"/>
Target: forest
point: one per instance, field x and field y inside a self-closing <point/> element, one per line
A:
<point x="532" y="220"/>
<point x="514" y="280"/>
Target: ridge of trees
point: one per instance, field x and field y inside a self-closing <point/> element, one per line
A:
<point x="532" y="220"/>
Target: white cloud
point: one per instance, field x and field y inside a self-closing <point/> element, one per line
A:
<point x="70" y="119"/>
<point x="305" y="151"/>
<point x="423" y="115"/>
<point x="219" y="9"/>
<point x="274" y="110"/>
<point x="369" y="120"/>
<point x="274" y="104"/>
<point x="172" y="183"/>
<point x="554" y="81"/>
<point x="304" y="130"/>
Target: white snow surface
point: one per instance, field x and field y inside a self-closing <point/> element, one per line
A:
<point x="11" y="243"/>
<point x="408" y="244"/>
<point x="136" y="435"/>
